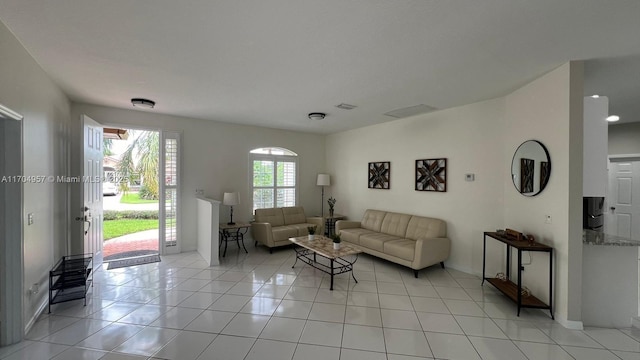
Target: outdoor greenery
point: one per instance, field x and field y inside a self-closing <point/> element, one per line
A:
<point x="142" y="157"/>
<point x="135" y="198"/>
<point x="116" y="228"/>
<point x="129" y="214"/>
<point x="106" y="147"/>
<point x="263" y="176"/>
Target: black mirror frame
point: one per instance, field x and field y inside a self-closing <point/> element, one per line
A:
<point x="544" y="181"/>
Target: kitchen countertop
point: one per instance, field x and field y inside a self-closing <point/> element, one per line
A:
<point x="590" y="237"/>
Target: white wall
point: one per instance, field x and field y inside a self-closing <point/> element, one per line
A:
<point x="28" y="90"/>
<point x="550" y="110"/>
<point x="215" y="157"/>
<point x="624" y="138"/>
<point x="595" y="178"/>
<point x="481" y="138"/>
<point x="470" y="137"/>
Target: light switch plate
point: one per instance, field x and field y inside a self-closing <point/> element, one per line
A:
<point x="30" y="219"/>
<point x="469" y="177"/>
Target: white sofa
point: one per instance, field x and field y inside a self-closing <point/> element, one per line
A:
<point x="413" y="241"/>
<point x="273" y="227"/>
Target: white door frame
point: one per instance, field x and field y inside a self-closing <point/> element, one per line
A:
<point x="12" y="248"/>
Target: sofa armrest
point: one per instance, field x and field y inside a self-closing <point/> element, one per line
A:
<point x="261" y="233"/>
<point x="318" y="221"/>
<point x="346" y="224"/>
<point x="430" y="251"/>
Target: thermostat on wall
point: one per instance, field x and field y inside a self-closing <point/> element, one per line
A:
<point x="469" y="177"/>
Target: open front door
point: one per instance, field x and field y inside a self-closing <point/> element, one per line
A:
<point x="92" y="189"/>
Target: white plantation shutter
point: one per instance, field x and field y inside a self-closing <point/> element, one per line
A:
<point x="274" y="178"/>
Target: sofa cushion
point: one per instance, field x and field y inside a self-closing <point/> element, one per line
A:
<point x="302" y="228"/>
<point x="424" y="227"/>
<point x="294" y="215"/>
<point x="353" y="235"/>
<point x="273" y="216"/>
<point x="372" y="220"/>
<point x="404" y="248"/>
<point x="281" y="233"/>
<point x="375" y="241"/>
<point x="395" y="224"/>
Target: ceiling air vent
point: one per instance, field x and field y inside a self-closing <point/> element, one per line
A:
<point x="344" y="106"/>
<point x="410" y="111"/>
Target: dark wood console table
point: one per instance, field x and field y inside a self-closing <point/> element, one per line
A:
<point x="510" y="289"/>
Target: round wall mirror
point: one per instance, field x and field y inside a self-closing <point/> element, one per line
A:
<point x="530" y="168"/>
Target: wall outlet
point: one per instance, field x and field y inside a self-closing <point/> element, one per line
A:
<point x="30" y="219"/>
<point x="200" y="192"/>
<point x="547" y="219"/>
<point x="469" y="177"/>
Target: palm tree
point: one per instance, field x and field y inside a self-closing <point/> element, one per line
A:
<point x="106" y="147"/>
<point x="141" y="157"/>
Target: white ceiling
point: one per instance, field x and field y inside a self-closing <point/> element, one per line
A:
<point x="270" y="62"/>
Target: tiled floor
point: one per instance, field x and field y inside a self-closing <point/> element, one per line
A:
<point x="256" y="307"/>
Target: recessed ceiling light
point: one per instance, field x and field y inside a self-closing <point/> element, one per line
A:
<point x="613" y="118"/>
<point x="145" y="103"/>
<point x="317" y="116"/>
<point x="595" y="96"/>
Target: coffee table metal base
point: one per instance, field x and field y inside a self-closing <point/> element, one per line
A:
<point x="336" y="266"/>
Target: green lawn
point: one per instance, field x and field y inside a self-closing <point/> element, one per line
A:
<point x="115" y="228"/>
<point x="134" y="198"/>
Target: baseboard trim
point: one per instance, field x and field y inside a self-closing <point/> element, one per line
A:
<point x="570" y="324"/>
<point x="635" y="322"/>
<point x="41" y="308"/>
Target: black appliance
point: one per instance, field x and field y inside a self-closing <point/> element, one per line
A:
<point x="593" y="213"/>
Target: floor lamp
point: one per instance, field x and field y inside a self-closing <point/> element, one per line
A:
<point x="323" y="180"/>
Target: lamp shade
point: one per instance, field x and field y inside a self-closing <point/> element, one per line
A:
<point x="232" y="198"/>
<point x="323" y="180"/>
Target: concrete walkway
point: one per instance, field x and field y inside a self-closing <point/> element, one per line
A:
<point x="143" y="240"/>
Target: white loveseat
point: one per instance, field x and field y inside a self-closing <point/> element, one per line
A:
<point x="273" y="227"/>
<point x="413" y="241"/>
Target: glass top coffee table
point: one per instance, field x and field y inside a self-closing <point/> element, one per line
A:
<point x="323" y="246"/>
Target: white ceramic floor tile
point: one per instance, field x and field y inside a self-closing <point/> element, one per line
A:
<point x="261" y="306"/>
<point x="301" y="293"/>
<point x="439" y="323"/>
<point x="363" y="338"/>
<point x="248" y="325"/>
<point x="143" y="296"/>
<point x="271" y="350"/>
<point x="10" y="349"/>
<point x="613" y="339"/>
<point x="396" y="288"/>
<point x="476" y="326"/>
<point x="360" y="315"/>
<point x="228" y="348"/>
<point x="283" y="329"/>
<point x="316" y="352"/>
<point x="294" y="309"/>
<point x="396" y="302"/>
<point x="363" y="299"/>
<point x="564" y="336"/>
<point x="231" y="276"/>
<point x="331" y="296"/>
<point x="452" y="293"/>
<point x="406" y="342"/>
<point x="49" y="325"/>
<point x="431" y="305"/>
<point x="496" y="349"/>
<point x="580" y="353"/>
<point x="624" y="355"/>
<point x="171" y="297"/>
<point x="322" y="333"/>
<point x="177" y="318"/>
<point x="80" y="354"/>
<point x="464" y="307"/>
<point x="385" y="276"/>
<point x="522" y="330"/>
<point x="446" y="346"/>
<point x="76" y="332"/>
<point x="404" y="357"/>
<point x="110" y="337"/>
<point x="217" y="286"/>
<point x="210" y="321"/>
<point x="186" y="345"/>
<point x="273" y="291"/>
<point x="245" y="289"/>
<point x="145" y="314"/>
<point x="147" y="341"/>
<point x="281" y="279"/>
<point x="232" y="303"/>
<point x="537" y="351"/>
<point x="37" y="350"/>
<point x="327" y="312"/>
<point x="422" y="291"/>
<point x="364" y="286"/>
<point x="400" y="319"/>
<point x="208" y="274"/>
<point x="200" y="300"/>
<point x="351" y="354"/>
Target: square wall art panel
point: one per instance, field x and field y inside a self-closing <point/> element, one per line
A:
<point x="431" y="175"/>
<point x="379" y="175"/>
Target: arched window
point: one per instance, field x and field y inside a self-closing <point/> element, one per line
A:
<point x="274" y="177"/>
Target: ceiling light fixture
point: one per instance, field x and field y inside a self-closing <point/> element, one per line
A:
<point x="145" y="103"/>
<point x="595" y="96"/>
<point x="316" y="116"/>
<point x="613" y="118"/>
